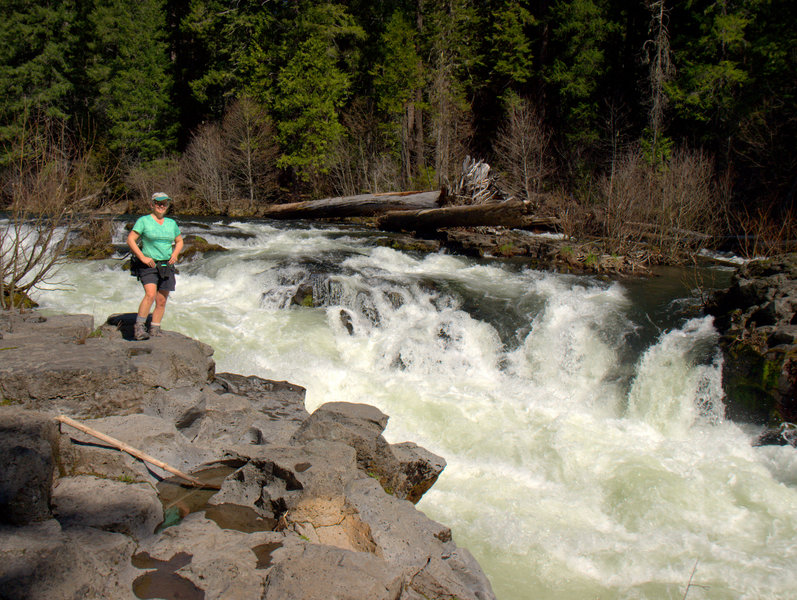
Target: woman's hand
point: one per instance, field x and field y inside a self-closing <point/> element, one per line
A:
<point x="150" y="262"/>
<point x="178" y="247"/>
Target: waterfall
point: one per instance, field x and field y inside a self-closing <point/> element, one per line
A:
<point x="582" y="420"/>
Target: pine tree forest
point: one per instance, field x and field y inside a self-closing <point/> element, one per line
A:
<point x="602" y="112"/>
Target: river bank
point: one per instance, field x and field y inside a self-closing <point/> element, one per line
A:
<point x="758" y="324"/>
<point x="310" y="506"/>
<point x="581" y="418"/>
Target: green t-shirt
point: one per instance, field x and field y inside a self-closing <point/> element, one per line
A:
<point x="156" y="240"/>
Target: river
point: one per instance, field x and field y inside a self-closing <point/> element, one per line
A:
<point x="582" y="420"/>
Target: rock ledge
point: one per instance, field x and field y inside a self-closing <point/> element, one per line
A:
<point x="309" y="507"/>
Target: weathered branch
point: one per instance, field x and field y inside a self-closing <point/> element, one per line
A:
<point x="363" y="205"/>
<point x="131" y="450"/>
<point x="512" y="213"/>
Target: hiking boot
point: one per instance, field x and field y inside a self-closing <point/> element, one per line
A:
<point x="155" y="331"/>
<point x="139" y="332"/>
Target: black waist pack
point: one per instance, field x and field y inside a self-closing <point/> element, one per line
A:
<point x="136" y="266"/>
<point x="165" y="270"/>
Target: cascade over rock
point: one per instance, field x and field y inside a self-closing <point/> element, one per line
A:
<point x="309" y="506"/>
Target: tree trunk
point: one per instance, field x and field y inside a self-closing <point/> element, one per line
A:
<point x="363" y="205"/>
<point x="512" y="213"/>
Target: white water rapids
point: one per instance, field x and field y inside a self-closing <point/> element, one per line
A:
<point x="587" y="452"/>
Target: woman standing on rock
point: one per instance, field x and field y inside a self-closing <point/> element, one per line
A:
<point x="153" y="262"/>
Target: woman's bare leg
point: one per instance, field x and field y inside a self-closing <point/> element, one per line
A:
<point x="160" y="306"/>
<point x="150" y="293"/>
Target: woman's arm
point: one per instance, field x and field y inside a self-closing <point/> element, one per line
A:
<point x="132" y="238"/>
<point x="178" y="247"/>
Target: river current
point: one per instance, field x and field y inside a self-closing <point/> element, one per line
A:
<point x="582" y="420"/>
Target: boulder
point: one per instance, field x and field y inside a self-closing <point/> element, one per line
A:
<point x="405" y="470"/>
<point x="319" y="468"/>
<point x="245" y="486"/>
<point x="42" y="561"/>
<point x="132" y="509"/>
<point x="222" y="563"/>
<point x="183" y="406"/>
<point x="319" y="572"/>
<point x="359" y="426"/>
<point x="194" y="244"/>
<point x="422" y="549"/>
<point x="28" y="449"/>
<point x="420" y="467"/>
<point x="756" y="318"/>
<point x="61" y="365"/>
<point x="87" y="458"/>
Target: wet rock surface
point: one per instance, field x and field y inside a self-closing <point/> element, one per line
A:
<point x="756" y="317"/>
<point x="295" y="505"/>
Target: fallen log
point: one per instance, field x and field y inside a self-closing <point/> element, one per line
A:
<point x="512" y="213"/>
<point x="363" y="205"/>
<point x="135" y="452"/>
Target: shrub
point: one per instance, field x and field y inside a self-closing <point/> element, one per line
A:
<point x="46" y="181"/>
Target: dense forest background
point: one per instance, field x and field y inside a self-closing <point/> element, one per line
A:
<point x="605" y="112"/>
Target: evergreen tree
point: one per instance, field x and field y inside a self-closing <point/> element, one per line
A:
<point x="510" y="46"/>
<point x="131" y="71"/>
<point x="234" y="44"/>
<point x="453" y="29"/>
<point x="312" y="89"/>
<point x="768" y="123"/>
<point x="37" y="41"/>
<point x="397" y="76"/>
<point x="313" y="86"/>
<point x="580" y="30"/>
<point x="711" y="66"/>
<point x="736" y="89"/>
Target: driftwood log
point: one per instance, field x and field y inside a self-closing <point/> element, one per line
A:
<point x="363" y="205"/>
<point x="511" y="213"/>
<point x="135" y="452"/>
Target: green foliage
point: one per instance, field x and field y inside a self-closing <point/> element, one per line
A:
<point x="656" y="149"/>
<point x="424" y="180"/>
<point x="506" y="249"/>
<point x="581" y="28"/>
<point x="311" y="91"/>
<point x="510" y="44"/>
<point x="398" y="73"/>
<point x="139" y="78"/>
<point x="236" y="39"/>
<point x="712" y="70"/>
<point x="311" y="88"/>
<point x="130" y="69"/>
<point x="37" y="42"/>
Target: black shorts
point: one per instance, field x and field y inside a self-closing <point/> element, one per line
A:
<point x="162" y="275"/>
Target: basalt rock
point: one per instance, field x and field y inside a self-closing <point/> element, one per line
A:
<point x="756" y="317"/>
<point x="195" y="244"/>
<point x="360" y="426"/>
<point x="309" y="505"/>
<point x="62" y="364"/>
<point x="28" y="451"/>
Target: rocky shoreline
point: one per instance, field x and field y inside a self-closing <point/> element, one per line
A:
<point x="757" y="319"/>
<point x="310" y="506"/>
